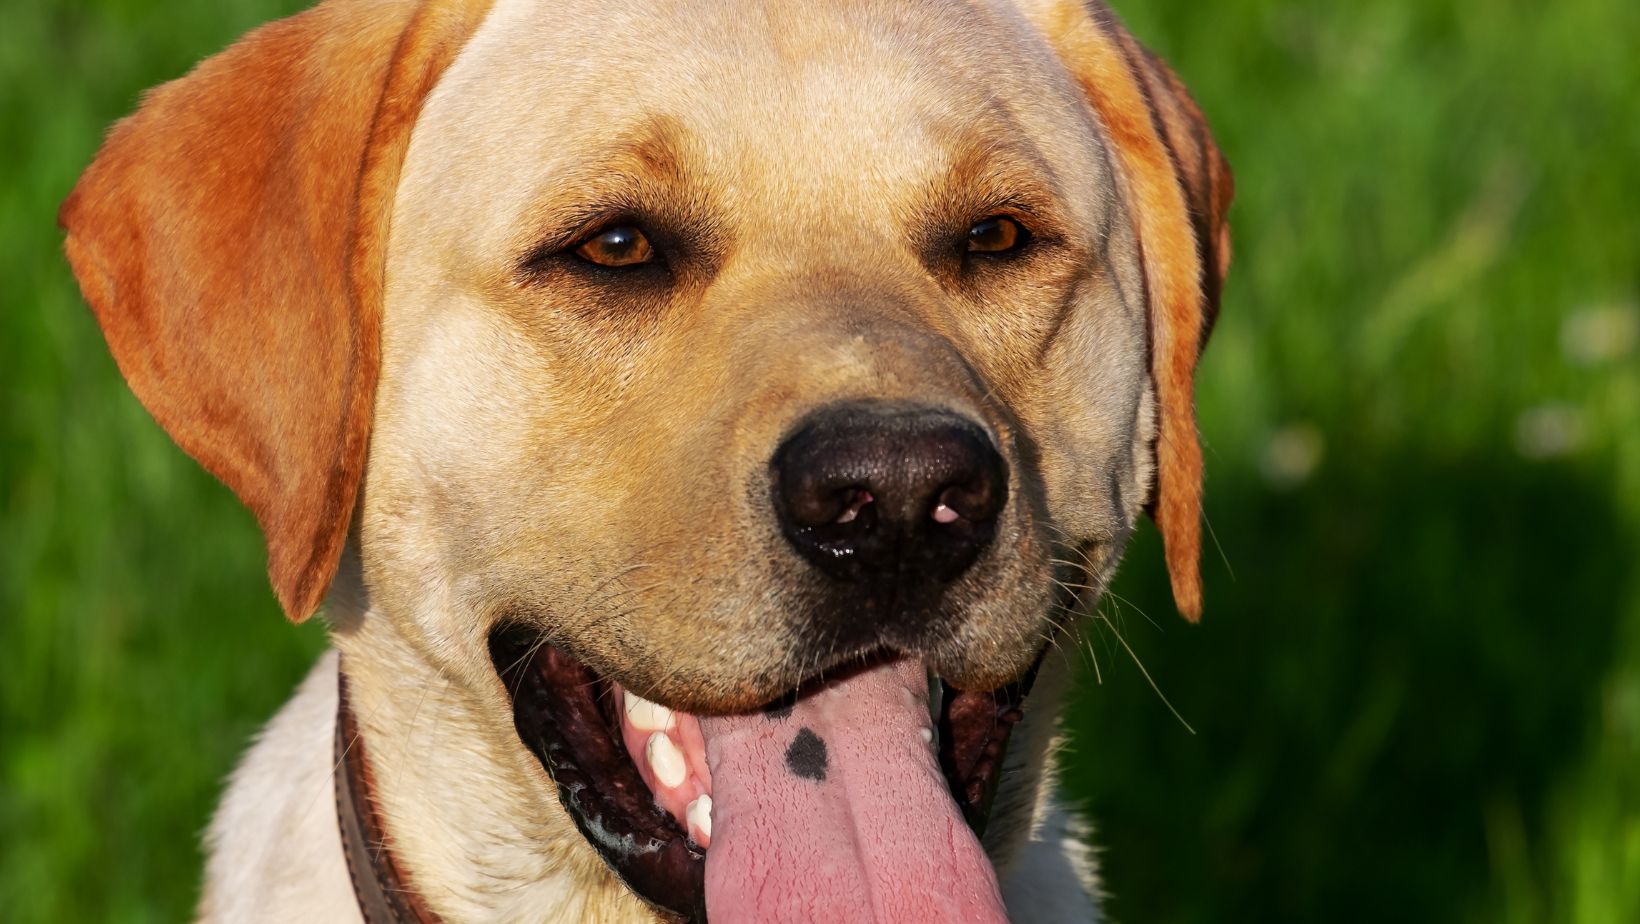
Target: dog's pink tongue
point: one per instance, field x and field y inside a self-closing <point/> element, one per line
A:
<point x="837" y="811"/>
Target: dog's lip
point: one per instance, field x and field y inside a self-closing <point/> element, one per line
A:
<point x="564" y="714"/>
<point x="563" y="717"/>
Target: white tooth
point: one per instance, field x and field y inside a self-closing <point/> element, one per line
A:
<point x="927" y="734"/>
<point x="647" y="716"/>
<point x="666" y="760"/>
<point x="699" y="815"/>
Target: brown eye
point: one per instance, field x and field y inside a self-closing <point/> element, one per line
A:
<point x="995" y="235"/>
<point x="623" y="245"/>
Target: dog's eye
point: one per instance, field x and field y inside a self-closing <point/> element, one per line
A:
<point x="996" y="234"/>
<point x="623" y="245"/>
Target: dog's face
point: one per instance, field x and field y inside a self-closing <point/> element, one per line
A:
<point x="719" y="351"/>
<point x="840" y="239"/>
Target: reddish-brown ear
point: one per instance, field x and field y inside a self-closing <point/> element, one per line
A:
<point x="1178" y="188"/>
<point x="229" y="238"/>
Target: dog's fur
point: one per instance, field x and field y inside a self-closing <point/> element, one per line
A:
<point x="323" y="260"/>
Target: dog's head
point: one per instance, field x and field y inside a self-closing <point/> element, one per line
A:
<point x="720" y="349"/>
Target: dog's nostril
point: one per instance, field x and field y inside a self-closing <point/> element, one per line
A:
<point x="811" y="502"/>
<point x="977" y="500"/>
<point x="864" y="491"/>
<point x="859" y="498"/>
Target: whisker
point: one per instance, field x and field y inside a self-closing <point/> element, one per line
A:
<point x="1136" y="608"/>
<point x="1142" y="670"/>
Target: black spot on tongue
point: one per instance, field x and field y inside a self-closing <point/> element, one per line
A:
<point x="806" y="756"/>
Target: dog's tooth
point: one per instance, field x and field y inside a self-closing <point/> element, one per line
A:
<point x="927" y="734"/>
<point x="699" y="816"/>
<point x="647" y="716"/>
<point x="666" y="760"/>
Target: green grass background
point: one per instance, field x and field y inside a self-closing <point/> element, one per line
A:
<point x="1416" y="695"/>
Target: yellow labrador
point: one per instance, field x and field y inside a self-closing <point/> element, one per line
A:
<point x="697" y="420"/>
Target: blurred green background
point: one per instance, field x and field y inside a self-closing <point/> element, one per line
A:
<point x="1416" y="695"/>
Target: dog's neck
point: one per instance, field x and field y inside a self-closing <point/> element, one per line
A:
<point x="473" y="820"/>
<point x="384" y="893"/>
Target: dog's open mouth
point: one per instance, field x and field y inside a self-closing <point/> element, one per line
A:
<point x="858" y="798"/>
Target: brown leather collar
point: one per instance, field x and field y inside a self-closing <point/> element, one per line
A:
<point x="384" y="892"/>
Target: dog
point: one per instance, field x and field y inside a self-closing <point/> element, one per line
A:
<point x="699" y="421"/>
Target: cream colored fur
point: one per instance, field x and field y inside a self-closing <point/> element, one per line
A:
<point x="518" y="463"/>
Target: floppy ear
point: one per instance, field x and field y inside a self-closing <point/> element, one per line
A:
<point x="1178" y="189"/>
<point x="229" y="237"/>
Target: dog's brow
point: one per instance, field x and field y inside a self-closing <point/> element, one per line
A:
<point x="644" y="172"/>
<point x="985" y="178"/>
<point x="660" y="146"/>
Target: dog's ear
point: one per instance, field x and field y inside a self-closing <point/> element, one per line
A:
<point x="1178" y="189"/>
<point x="229" y="237"/>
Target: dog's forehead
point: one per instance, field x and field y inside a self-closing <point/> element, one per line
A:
<point x="783" y="108"/>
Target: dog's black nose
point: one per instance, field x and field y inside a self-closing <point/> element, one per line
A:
<point x="871" y="493"/>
